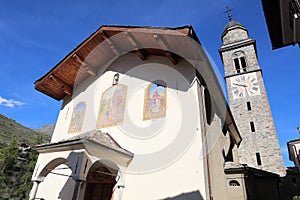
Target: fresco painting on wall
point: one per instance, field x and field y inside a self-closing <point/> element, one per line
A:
<point x="155" y="101"/>
<point x="77" y="118"/>
<point x="112" y="106"/>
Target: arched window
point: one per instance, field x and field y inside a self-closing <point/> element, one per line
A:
<point x="234" y="183"/>
<point x="239" y="61"/>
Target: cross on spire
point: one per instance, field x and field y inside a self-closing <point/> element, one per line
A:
<point x="228" y="12"/>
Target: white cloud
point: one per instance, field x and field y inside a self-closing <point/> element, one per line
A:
<point x="10" y="102"/>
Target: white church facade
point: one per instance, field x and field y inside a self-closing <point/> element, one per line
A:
<point x="143" y="116"/>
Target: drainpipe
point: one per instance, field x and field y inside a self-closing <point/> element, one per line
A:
<point x="208" y="171"/>
<point x="204" y="137"/>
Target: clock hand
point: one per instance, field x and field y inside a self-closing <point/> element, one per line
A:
<point x="246" y="91"/>
<point x="241" y="85"/>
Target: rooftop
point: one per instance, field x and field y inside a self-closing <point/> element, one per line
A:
<point x="231" y="24"/>
<point x="107" y="43"/>
<point x="96" y="137"/>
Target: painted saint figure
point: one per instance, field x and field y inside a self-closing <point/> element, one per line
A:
<point x="155" y="101"/>
<point x="112" y="106"/>
<point x="77" y="118"/>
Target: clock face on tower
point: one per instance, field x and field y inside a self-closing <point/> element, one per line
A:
<point x="244" y="85"/>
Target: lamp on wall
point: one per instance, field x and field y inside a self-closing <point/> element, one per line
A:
<point x="116" y="79"/>
<point x="298" y="128"/>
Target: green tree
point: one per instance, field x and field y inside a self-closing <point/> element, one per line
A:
<point x="8" y="167"/>
<point x="16" y="168"/>
<point x="24" y="183"/>
<point x="296" y="197"/>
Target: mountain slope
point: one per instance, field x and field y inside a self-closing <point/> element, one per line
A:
<point x="17" y="163"/>
<point x="47" y="129"/>
<point x="9" y="129"/>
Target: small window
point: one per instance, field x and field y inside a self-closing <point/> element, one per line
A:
<point x="234" y="183"/>
<point x="248" y="106"/>
<point x="240" y="64"/>
<point x="252" y="127"/>
<point x="237" y="65"/>
<point x="243" y="63"/>
<point x="258" y="159"/>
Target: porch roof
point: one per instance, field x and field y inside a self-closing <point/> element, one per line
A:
<point x="94" y="137"/>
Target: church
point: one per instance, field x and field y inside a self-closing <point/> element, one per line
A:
<point x="144" y="116"/>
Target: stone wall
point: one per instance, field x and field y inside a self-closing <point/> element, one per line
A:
<point x="234" y="36"/>
<point x="264" y="139"/>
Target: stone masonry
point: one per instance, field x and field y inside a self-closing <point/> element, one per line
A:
<point x="263" y="141"/>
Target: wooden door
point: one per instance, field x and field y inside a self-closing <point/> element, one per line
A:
<point x="100" y="183"/>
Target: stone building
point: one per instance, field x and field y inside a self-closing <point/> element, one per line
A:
<point x="143" y="116"/>
<point x="249" y="101"/>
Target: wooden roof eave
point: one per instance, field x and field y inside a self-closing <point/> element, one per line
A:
<point x="63" y="88"/>
<point x="109" y="28"/>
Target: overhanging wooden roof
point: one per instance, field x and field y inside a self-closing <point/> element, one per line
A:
<point x="108" y="43"/>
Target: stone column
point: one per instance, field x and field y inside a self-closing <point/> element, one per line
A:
<point x="120" y="192"/>
<point x="34" y="190"/>
<point x="76" y="189"/>
<point x="235" y="154"/>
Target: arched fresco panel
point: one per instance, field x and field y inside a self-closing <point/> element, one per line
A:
<point x="112" y="106"/>
<point x="77" y="118"/>
<point x="155" y="100"/>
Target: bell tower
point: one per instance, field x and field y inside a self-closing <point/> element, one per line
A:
<point x="249" y="101"/>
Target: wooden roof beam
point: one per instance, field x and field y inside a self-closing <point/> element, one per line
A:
<point x="172" y="57"/>
<point x="86" y="66"/>
<point x="140" y="52"/>
<point x="64" y="86"/>
<point x="110" y="43"/>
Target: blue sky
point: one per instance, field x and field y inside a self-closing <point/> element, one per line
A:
<point x="36" y="34"/>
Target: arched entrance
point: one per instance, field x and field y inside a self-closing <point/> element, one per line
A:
<point x="100" y="182"/>
<point x="58" y="174"/>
